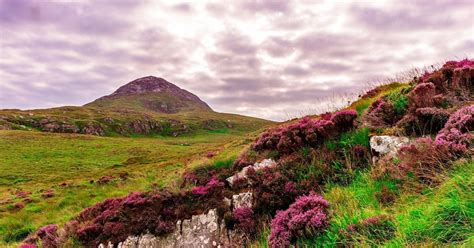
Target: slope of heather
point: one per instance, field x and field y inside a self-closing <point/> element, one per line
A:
<point x="326" y="185"/>
<point x="147" y="106"/>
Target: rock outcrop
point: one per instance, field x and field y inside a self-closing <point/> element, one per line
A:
<point x="257" y="166"/>
<point x="201" y="231"/>
<point x="204" y="230"/>
<point x="387" y="144"/>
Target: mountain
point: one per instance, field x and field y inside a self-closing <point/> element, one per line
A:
<point x="146" y="106"/>
<point x="151" y="94"/>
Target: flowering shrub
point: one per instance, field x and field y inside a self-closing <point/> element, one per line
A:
<point x="306" y="132"/>
<point x="213" y="186"/>
<point x="424" y="121"/>
<point x="381" y="114"/>
<point x="376" y="228"/>
<point x="456" y="134"/>
<point x="454" y="79"/>
<point x="422" y="162"/>
<point x="244" y="220"/>
<point x="154" y="212"/>
<point x="306" y="216"/>
<point x="422" y="96"/>
<point x="49" y="236"/>
<point x="271" y="190"/>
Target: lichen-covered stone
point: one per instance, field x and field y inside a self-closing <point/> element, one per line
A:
<point x="257" y="166"/>
<point x="201" y="231"/>
<point x="242" y="200"/>
<point x="387" y="144"/>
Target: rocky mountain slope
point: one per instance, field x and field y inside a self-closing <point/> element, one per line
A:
<point x="393" y="169"/>
<point x="145" y="106"/>
<point x="151" y="94"/>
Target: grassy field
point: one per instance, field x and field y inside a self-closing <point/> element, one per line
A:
<point x="70" y="165"/>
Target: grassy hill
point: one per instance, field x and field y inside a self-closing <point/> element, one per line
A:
<point x="81" y="170"/>
<point x="329" y="188"/>
<point x="56" y="162"/>
<point x="148" y="106"/>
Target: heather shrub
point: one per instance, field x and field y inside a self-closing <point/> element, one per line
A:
<point x="308" y="215"/>
<point x="154" y="212"/>
<point x="306" y="132"/>
<point x="244" y="220"/>
<point x="421" y="162"/>
<point x="454" y="80"/>
<point x="377" y="229"/>
<point x="456" y="133"/>
<point x="220" y="169"/>
<point x="272" y="190"/>
<point x="49" y="236"/>
<point x="422" y="96"/>
<point x="381" y="114"/>
<point x="212" y="187"/>
<point x="424" y="121"/>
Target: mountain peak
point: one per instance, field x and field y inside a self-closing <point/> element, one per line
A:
<point x="146" y="84"/>
<point x="153" y="93"/>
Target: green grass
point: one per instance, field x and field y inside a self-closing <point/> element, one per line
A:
<point x="399" y="101"/>
<point x="441" y="217"/>
<point x="34" y="161"/>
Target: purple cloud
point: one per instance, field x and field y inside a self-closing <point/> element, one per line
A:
<point x="271" y="59"/>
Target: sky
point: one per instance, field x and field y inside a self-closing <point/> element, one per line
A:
<point x="270" y="59"/>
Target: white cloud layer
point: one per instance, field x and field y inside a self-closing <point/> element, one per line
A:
<point x="270" y="59"/>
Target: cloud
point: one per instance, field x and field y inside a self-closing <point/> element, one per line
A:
<point x="270" y="59"/>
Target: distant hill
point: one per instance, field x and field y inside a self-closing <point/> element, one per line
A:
<point x="151" y="94"/>
<point x="145" y="106"/>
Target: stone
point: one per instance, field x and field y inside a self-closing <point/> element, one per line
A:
<point x="243" y="200"/>
<point x="387" y="144"/>
<point x="204" y="230"/>
<point x="257" y="166"/>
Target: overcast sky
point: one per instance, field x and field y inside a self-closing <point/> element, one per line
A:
<point x="270" y="59"/>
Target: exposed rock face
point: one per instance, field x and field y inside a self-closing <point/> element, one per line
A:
<point x="201" y="231"/>
<point x="93" y="129"/>
<point x="387" y="144"/>
<point x="257" y="166"/>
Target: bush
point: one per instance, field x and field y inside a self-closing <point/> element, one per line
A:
<point x="212" y="187"/>
<point x="272" y="190"/>
<point x="308" y="215"/>
<point x="49" y="236"/>
<point x="381" y="114"/>
<point x="154" y="212"/>
<point x="244" y="220"/>
<point x="305" y="132"/>
<point x="423" y="162"/>
<point x="456" y="134"/>
<point x="422" y="96"/>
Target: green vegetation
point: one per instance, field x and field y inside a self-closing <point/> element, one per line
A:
<point x="72" y="164"/>
<point x="399" y="101"/>
<point x="437" y="217"/>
